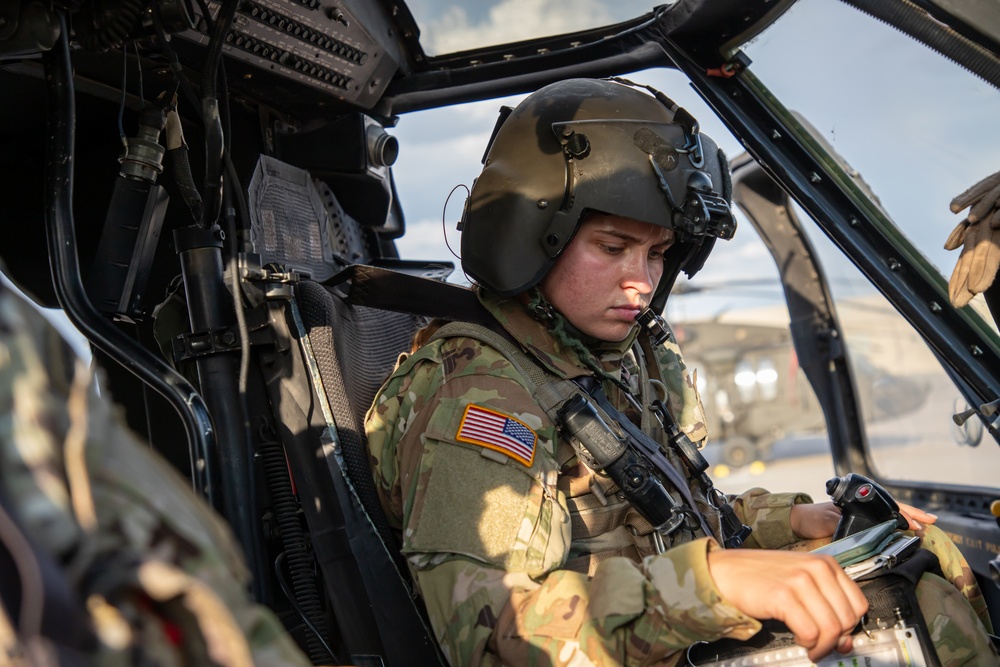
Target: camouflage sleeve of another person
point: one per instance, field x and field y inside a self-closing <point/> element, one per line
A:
<point x="486" y="534"/>
<point x="160" y="575"/>
<point x="956" y="569"/>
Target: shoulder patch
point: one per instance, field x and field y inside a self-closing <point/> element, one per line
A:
<point x="499" y="432"/>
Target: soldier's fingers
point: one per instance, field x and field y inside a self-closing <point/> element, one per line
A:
<point x="817" y="628"/>
<point x="806" y="628"/>
<point x="995" y="219"/>
<point x="977" y="190"/>
<point x="961" y="296"/>
<point x="827" y="603"/>
<point x="858" y="601"/>
<point x="843" y="595"/>
<point x="917" y="517"/>
<point x="983" y="207"/>
<point x="985" y="260"/>
<point x="957" y="236"/>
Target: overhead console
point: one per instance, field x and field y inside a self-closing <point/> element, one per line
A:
<point x="321" y="44"/>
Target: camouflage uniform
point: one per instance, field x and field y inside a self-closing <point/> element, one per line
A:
<point x="155" y="574"/>
<point x="536" y="560"/>
<point x="531" y="559"/>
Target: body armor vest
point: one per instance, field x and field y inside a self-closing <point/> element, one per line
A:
<point x="604" y="524"/>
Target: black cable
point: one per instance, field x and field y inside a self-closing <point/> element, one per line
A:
<point x="121" y="103"/>
<point x="301" y="563"/>
<point x="213" y="57"/>
<point x="241" y="205"/>
<point x="138" y="68"/>
<point x="61" y="238"/>
<point x="206" y="14"/>
<point x="179" y="163"/>
<point x="172" y="60"/>
<point x="115" y="26"/>
<point x="214" y="136"/>
<point x="295" y="605"/>
<point x="912" y="20"/>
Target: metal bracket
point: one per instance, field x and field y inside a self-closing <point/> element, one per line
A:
<point x="224" y="340"/>
<point x="266" y="282"/>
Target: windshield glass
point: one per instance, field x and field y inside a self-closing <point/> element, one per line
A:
<point x="447" y="26"/>
<point x="916" y="128"/>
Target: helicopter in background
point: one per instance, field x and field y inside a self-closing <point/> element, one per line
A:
<point x="756" y="394"/>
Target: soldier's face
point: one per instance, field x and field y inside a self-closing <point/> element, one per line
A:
<point x="607" y="274"/>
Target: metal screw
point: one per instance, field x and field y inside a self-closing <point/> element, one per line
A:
<point x="935" y="307"/>
<point x="552" y="239"/>
<point x="775" y="135"/>
<point x="976" y="351"/>
<point x="814" y="177"/>
<point x="854" y="222"/>
<point x="894" y="264"/>
<point x="543" y="203"/>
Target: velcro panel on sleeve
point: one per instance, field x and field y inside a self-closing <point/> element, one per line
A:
<point x="471" y="505"/>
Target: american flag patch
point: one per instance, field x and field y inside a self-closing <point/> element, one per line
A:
<point x="498" y="432"/>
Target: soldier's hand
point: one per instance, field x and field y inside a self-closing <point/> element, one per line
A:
<point x="809" y="593"/>
<point x="811" y="521"/>
<point x="979" y="236"/>
<point x="917" y="517"/>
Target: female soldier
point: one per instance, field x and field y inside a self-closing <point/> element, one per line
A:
<point x="594" y="195"/>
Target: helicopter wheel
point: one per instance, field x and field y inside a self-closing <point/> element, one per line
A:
<point x="737" y="452"/>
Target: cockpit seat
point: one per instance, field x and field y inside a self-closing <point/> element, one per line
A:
<point x="323" y="377"/>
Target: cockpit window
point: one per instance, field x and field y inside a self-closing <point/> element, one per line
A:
<point x="448" y="26"/>
<point x="916" y="127"/>
<point x="913" y="130"/>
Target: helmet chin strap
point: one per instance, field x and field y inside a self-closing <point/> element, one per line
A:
<point x="567" y="335"/>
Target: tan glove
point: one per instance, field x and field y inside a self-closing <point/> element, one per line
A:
<point x="979" y="234"/>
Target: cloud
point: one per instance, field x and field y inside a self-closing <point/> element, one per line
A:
<point x="510" y="21"/>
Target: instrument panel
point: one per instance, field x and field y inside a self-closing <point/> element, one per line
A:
<point x="316" y="43"/>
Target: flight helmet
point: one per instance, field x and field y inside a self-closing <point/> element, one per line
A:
<point x="592" y="145"/>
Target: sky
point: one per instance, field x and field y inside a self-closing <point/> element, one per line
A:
<point x="917" y="128"/>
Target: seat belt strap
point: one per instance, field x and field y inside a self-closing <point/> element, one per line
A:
<point x="385" y="289"/>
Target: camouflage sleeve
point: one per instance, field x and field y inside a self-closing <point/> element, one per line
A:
<point x="956" y="569"/>
<point x="486" y="534"/>
<point x="769" y="515"/>
<point x="158" y="573"/>
<point x="627" y="614"/>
